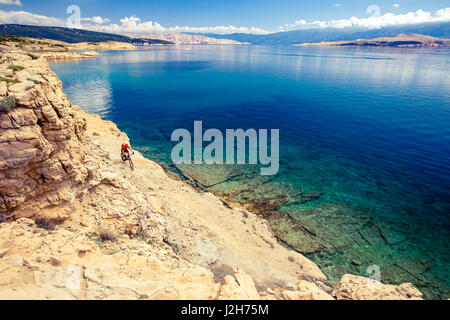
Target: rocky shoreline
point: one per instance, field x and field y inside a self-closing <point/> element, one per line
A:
<point x="77" y="223"/>
<point x="399" y="41"/>
<point x="59" y="50"/>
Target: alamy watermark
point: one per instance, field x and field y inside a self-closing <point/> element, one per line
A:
<point x="74" y="20"/>
<point x="374" y="280"/>
<point x="235" y="147"/>
<point x="374" y="11"/>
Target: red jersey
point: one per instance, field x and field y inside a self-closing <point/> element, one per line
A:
<point x="125" y="147"/>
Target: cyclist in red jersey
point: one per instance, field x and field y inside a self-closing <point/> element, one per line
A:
<point x="125" y="147"/>
<point x="124" y="151"/>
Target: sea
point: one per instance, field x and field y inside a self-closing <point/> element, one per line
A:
<point x="363" y="185"/>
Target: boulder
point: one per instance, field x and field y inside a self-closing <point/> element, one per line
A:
<point x="360" y="288"/>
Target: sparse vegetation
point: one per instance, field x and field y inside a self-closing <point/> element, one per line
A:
<point x="15" y="68"/>
<point x="8" y="103"/>
<point x="142" y="235"/>
<point x="112" y="252"/>
<point x="10" y="80"/>
<point x="23" y="41"/>
<point x="143" y="296"/>
<point x="33" y="80"/>
<point x="19" y="40"/>
<point x="96" y="238"/>
<point x="174" y="246"/>
<point x="43" y="77"/>
<point x="47" y="224"/>
<point x="107" y="235"/>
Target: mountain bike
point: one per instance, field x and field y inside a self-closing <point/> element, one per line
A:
<point x="126" y="156"/>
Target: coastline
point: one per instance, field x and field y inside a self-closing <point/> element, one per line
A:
<point x="229" y="253"/>
<point x="399" y="41"/>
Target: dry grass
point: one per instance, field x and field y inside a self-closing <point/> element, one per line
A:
<point x="47" y="224"/>
<point x="107" y="235"/>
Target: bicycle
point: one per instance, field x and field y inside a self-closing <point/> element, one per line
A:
<point x="126" y="156"/>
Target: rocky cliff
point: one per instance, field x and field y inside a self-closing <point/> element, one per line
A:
<point x="77" y="223"/>
<point x="41" y="165"/>
<point x="105" y="45"/>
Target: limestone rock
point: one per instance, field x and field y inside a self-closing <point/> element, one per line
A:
<point x="241" y="287"/>
<point x="313" y="290"/>
<point x="357" y="288"/>
<point x="41" y="155"/>
<point x="306" y="291"/>
<point x="189" y="39"/>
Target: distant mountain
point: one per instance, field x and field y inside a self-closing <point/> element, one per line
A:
<point x="188" y="39"/>
<point x="70" y="35"/>
<point x="400" y="41"/>
<point x="440" y="30"/>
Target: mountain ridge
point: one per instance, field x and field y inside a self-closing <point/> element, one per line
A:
<point x="70" y="35"/>
<point x="439" y="30"/>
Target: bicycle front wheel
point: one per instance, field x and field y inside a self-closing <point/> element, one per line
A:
<point x="131" y="164"/>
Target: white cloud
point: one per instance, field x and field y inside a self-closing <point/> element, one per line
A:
<point x="127" y="24"/>
<point x="220" y="30"/>
<point x="135" y="25"/>
<point x="388" y="19"/>
<point x="11" y="2"/>
<point x="337" y="5"/>
<point x="396" y="5"/>
<point x="23" y="17"/>
<point x="96" y="19"/>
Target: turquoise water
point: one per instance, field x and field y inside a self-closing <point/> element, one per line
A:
<point x="364" y="142"/>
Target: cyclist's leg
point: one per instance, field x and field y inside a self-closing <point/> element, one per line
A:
<point x="125" y="155"/>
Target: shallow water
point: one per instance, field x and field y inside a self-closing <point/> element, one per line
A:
<point x="364" y="142"/>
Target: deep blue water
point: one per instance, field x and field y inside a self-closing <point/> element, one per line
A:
<point x="368" y="128"/>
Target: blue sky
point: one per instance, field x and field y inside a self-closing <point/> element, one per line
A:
<point x="265" y="15"/>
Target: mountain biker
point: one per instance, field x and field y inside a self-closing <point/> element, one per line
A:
<point x="125" y="147"/>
